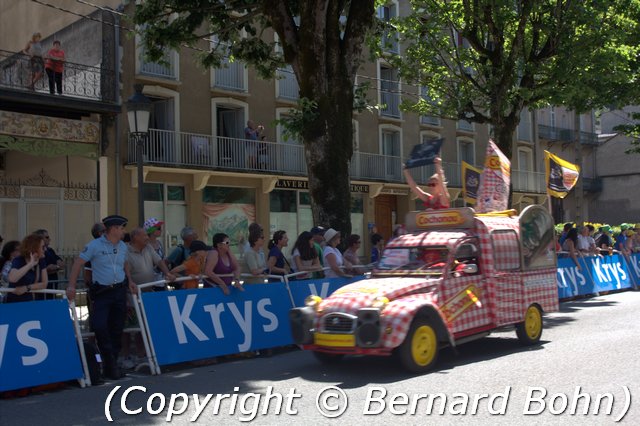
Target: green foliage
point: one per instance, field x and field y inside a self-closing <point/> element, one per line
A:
<point x="485" y="60"/>
<point x="633" y="131"/>
<point x="297" y="119"/>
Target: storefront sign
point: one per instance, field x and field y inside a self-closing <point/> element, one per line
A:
<point x="303" y="184"/>
<point x="394" y="191"/>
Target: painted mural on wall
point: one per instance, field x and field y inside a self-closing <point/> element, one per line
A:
<point x="231" y="219"/>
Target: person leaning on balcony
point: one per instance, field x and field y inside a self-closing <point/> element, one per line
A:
<point x="438" y="195"/>
<point x="35" y="50"/>
<point x="54" y="67"/>
<point x="253" y="133"/>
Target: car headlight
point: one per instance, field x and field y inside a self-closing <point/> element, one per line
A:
<point x="380" y="302"/>
<point x="313" y="301"/>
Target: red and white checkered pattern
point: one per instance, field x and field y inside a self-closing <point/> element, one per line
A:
<point x="398" y="315"/>
<point x="503" y="294"/>
<point x="493" y="192"/>
<point x="432" y="238"/>
<point x="475" y="315"/>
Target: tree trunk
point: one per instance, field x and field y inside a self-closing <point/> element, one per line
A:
<point x="503" y="137"/>
<point x="329" y="146"/>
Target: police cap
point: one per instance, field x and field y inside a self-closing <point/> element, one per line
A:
<point x="114" y="220"/>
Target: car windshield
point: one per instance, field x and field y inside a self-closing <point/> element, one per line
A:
<point x="430" y="260"/>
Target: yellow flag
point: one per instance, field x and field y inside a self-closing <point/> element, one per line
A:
<point x="561" y="175"/>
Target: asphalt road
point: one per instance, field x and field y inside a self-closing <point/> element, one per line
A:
<point x="590" y="348"/>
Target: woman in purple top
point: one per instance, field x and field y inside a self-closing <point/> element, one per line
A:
<point x="29" y="270"/>
<point x="220" y="261"/>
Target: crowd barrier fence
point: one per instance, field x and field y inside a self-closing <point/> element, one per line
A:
<point x="41" y="342"/>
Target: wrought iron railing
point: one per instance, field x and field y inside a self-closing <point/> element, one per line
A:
<point x="180" y="149"/>
<point x="566" y="135"/>
<point x="78" y="80"/>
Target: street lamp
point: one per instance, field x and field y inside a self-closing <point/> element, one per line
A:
<point x="138" y="112"/>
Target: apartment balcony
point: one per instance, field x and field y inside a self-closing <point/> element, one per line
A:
<point x="167" y="68"/>
<point x="528" y="181"/>
<point x="390" y="99"/>
<point x="230" y="77"/>
<point x="431" y="120"/>
<point x="191" y="150"/>
<point x="593" y="185"/>
<point x="287" y="83"/>
<point x="79" y="81"/>
<point x="556" y="134"/>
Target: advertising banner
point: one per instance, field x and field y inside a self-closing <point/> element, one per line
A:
<point x="634" y="268"/>
<point x="322" y="287"/>
<point x="194" y="324"/>
<point x="596" y="274"/>
<point x="37" y="344"/>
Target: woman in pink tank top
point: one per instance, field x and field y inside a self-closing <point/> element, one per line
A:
<point x="220" y="261"/>
<point x="438" y="195"/>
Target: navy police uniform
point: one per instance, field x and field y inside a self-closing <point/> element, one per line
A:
<point x="108" y="293"/>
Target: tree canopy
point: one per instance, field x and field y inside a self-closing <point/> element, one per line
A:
<point x="323" y="42"/>
<point x="485" y="60"/>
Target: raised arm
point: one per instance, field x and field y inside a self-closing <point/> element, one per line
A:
<point x="420" y="193"/>
<point x="442" y="182"/>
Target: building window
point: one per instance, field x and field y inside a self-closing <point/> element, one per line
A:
<point x="167" y="68"/>
<point x="524" y="127"/>
<point x="389" y="42"/>
<point x="231" y="75"/>
<point x="465" y="126"/>
<point x="391" y="150"/>
<point x="287" y="87"/>
<point x="167" y="203"/>
<point x="428" y="119"/>
<point x="466" y="151"/>
<point x="389" y="91"/>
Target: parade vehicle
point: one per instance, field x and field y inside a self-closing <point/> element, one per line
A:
<point x="456" y="276"/>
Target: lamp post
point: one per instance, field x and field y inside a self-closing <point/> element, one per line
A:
<point x="138" y="112"/>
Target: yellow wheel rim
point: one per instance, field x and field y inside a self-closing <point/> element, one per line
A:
<point x="424" y="345"/>
<point x="533" y="323"/>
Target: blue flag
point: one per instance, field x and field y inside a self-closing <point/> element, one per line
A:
<point x="424" y="153"/>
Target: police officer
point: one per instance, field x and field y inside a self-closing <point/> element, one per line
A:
<point x="108" y="291"/>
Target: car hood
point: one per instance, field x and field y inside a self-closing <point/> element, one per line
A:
<point x="361" y="294"/>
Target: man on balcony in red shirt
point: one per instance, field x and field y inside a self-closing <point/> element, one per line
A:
<point x="54" y="67"/>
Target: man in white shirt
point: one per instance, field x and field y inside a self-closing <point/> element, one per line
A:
<point x="586" y="243"/>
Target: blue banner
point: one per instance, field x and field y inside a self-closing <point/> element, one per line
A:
<point x="186" y="325"/>
<point x="37" y="344"/>
<point x="634" y="268"/>
<point x="596" y="274"/>
<point x="322" y="287"/>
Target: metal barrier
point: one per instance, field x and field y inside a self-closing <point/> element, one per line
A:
<point x="86" y="381"/>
